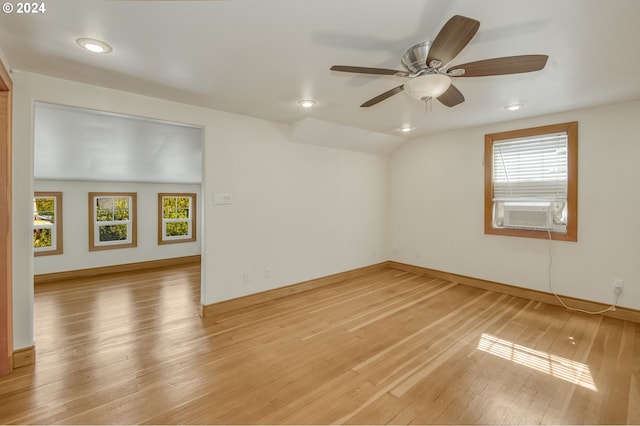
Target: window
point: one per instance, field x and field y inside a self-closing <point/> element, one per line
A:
<point x="176" y="218"/>
<point x="112" y="220"/>
<point x="531" y="182"/>
<point x="47" y="223"/>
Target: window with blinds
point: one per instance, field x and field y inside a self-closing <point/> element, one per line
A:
<point x="531" y="168"/>
<point x="531" y="182"/>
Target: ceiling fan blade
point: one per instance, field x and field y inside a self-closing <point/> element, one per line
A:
<point x="452" y="38"/>
<point x="501" y="66"/>
<point x="366" y="70"/>
<point x="381" y="97"/>
<point x="451" y="97"/>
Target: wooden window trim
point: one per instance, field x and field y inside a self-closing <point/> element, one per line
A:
<point x="6" y="273"/>
<point x="132" y="212"/>
<point x="571" y="128"/>
<point x="193" y="212"/>
<point x="58" y="223"/>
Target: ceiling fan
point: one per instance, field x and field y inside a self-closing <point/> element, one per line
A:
<point x="427" y="65"/>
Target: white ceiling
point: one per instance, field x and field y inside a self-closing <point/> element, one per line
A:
<point x="258" y="57"/>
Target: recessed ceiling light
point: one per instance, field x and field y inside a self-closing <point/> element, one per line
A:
<point x="406" y="128"/>
<point x="513" y="107"/>
<point x="306" y="103"/>
<point x="93" y="45"/>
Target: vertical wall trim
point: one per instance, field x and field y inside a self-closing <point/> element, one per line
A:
<point x="6" y="332"/>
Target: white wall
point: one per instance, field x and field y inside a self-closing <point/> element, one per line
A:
<point x="304" y="211"/>
<point x="437" y="184"/>
<point x="75" y="217"/>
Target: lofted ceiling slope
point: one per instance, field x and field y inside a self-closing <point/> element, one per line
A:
<point x="86" y="145"/>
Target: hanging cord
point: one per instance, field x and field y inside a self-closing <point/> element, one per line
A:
<point x="609" y="309"/>
<point x="506" y="173"/>
<point x="428" y="104"/>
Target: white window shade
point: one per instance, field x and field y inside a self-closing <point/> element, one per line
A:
<point x="531" y="168"/>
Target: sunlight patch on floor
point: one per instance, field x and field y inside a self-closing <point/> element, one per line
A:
<point x="562" y="368"/>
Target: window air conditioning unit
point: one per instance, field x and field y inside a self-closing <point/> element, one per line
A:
<point x="528" y="215"/>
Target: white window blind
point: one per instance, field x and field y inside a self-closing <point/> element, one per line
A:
<point x="531" y="168"/>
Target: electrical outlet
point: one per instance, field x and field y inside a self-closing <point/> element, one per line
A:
<point x="267" y="272"/>
<point x="418" y="252"/>
<point x="245" y="277"/>
<point x="618" y="285"/>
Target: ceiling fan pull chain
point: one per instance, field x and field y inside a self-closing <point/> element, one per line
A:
<point x="428" y="104"/>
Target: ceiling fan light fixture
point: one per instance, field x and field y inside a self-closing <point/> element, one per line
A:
<point x="307" y="103"/>
<point x="93" y="45"/>
<point x="427" y="86"/>
<point x="428" y="70"/>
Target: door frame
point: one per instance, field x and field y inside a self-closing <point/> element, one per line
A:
<point x="6" y="281"/>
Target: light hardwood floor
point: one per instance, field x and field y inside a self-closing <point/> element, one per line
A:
<point x="388" y="347"/>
